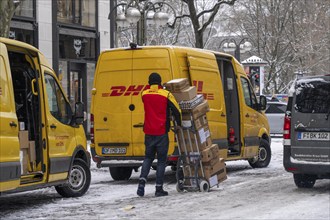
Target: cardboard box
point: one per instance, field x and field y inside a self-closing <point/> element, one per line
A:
<point x="21" y="125"/>
<point x="190" y="104"/>
<point x="189" y="121"/>
<point x="23" y="137"/>
<point x="210" y="153"/>
<point x="194" y="140"/>
<point x="24" y="161"/>
<point x="186" y="94"/>
<point x="222" y="175"/>
<point x="199" y="110"/>
<point x="218" y="170"/>
<point x="32" y="151"/>
<point x="177" y="85"/>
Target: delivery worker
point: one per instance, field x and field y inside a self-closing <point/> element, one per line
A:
<point x="158" y="105"/>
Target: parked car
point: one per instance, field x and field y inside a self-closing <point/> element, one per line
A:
<point x="275" y="112"/>
<point x="306" y="135"/>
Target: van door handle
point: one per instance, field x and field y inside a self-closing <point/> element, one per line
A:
<point x="247" y="115"/>
<point x="222" y="114"/>
<point x="32" y="87"/>
<point x="140" y="125"/>
<point x="52" y="126"/>
<point x="13" y="124"/>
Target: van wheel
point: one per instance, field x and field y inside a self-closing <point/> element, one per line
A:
<point x="304" y="180"/>
<point x="78" y="181"/>
<point x="264" y="156"/>
<point x="120" y="173"/>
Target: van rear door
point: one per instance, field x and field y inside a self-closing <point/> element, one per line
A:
<point x="310" y="120"/>
<point x="112" y="104"/>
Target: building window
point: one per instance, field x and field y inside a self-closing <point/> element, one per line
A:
<point x="72" y="47"/>
<point x="81" y="12"/>
<point x="25" y="9"/>
<point x="22" y="35"/>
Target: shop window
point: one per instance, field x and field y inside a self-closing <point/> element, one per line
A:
<point x="25" y="9"/>
<point x="81" y="12"/>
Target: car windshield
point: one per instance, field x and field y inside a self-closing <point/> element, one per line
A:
<point x="313" y="97"/>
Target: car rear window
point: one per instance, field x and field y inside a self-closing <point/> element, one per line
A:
<point x="313" y="97"/>
<point x="275" y="108"/>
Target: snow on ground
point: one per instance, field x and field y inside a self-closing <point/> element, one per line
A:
<point x="267" y="193"/>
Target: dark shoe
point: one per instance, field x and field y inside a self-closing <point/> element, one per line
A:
<point x="140" y="190"/>
<point x="160" y="191"/>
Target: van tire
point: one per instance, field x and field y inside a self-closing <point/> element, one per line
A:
<point x="264" y="156"/>
<point x="304" y="180"/>
<point x="120" y="173"/>
<point x="78" y="181"/>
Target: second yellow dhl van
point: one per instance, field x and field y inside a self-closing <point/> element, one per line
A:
<point x="236" y="120"/>
<point x="42" y="141"/>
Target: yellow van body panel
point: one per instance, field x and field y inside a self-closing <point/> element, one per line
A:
<point x="57" y="177"/>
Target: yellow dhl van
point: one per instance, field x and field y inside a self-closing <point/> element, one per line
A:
<point x="42" y="141"/>
<point x="236" y="120"/>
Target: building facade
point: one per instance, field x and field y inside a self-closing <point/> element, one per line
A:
<point x="71" y="34"/>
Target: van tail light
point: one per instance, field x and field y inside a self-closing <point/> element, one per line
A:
<point x="92" y="129"/>
<point x="286" y="127"/>
<point x="231" y="135"/>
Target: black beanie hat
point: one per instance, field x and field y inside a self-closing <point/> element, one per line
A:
<point x="155" y="78"/>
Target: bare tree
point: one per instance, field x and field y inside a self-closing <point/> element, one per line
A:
<point x="7" y="10"/>
<point x="201" y="14"/>
<point x="290" y="35"/>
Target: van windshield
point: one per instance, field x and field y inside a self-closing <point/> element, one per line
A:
<point x="313" y="97"/>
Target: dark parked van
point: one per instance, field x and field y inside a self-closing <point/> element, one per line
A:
<point x="306" y="136"/>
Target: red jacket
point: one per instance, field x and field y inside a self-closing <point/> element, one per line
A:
<point x="158" y="103"/>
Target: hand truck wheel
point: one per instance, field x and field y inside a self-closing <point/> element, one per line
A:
<point x="204" y="186"/>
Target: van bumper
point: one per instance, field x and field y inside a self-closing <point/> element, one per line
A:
<point x="319" y="169"/>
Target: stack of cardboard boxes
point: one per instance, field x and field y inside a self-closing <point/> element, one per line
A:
<point x="195" y="138"/>
<point x="27" y="150"/>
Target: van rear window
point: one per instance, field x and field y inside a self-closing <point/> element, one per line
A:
<point x="313" y="97"/>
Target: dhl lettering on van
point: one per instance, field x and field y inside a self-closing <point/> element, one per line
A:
<point x="61" y="137"/>
<point x="199" y="86"/>
<point x="133" y="90"/>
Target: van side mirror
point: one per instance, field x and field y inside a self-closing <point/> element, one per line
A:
<point x="79" y="113"/>
<point x="262" y="103"/>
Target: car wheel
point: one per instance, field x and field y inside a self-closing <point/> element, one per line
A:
<point x="78" y="181"/>
<point x="304" y="180"/>
<point x="120" y="173"/>
<point x="264" y="155"/>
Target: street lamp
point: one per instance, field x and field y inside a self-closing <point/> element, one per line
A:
<point x="143" y="13"/>
<point x="230" y="45"/>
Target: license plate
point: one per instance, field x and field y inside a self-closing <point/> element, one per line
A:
<point x="114" y="150"/>
<point x="311" y="136"/>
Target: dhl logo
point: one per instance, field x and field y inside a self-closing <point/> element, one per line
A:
<point x="134" y="90"/>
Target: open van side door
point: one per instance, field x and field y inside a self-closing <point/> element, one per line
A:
<point x="204" y="74"/>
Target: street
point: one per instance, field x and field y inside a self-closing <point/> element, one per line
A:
<point x="248" y="193"/>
